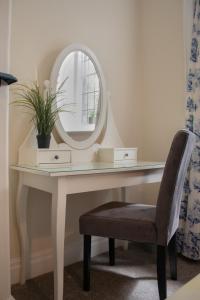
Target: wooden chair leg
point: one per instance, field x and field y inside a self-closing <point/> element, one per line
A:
<point x="86" y="262"/>
<point x="161" y="271"/>
<point x="173" y="257"/>
<point x="112" y="251"/>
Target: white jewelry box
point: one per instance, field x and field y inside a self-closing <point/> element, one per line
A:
<point x="115" y="155"/>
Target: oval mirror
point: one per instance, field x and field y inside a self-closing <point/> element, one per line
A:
<point x="78" y="78"/>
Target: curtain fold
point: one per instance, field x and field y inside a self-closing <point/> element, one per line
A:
<point x="188" y="235"/>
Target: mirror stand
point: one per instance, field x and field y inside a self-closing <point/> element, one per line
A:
<point x="78" y="78"/>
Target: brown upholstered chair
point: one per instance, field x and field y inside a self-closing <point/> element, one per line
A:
<point x="144" y="223"/>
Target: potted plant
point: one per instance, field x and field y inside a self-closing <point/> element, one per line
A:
<point x="40" y="105"/>
<point x="91" y="118"/>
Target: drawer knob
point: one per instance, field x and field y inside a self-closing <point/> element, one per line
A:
<point x="56" y="157"/>
<point x="126" y="154"/>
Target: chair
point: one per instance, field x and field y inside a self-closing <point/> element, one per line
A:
<point x="144" y="223"/>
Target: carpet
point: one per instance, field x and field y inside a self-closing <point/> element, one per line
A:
<point x="132" y="278"/>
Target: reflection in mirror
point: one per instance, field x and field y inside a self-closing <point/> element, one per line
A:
<point x="80" y="95"/>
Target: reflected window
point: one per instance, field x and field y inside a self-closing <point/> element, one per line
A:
<point x="80" y="93"/>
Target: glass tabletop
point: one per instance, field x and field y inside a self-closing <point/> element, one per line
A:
<point x="92" y="167"/>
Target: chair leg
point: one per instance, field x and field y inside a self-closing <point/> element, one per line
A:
<point x="161" y="271"/>
<point x="173" y="257"/>
<point x="86" y="262"/>
<point x="112" y="251"/>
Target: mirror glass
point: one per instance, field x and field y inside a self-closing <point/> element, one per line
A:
<point x="79" y="85"/>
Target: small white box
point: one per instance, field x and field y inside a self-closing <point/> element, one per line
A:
<point x="118" y="155"/>
<point x="44" y="157"/>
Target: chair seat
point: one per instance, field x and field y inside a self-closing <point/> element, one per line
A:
<point x="126" y="221"/>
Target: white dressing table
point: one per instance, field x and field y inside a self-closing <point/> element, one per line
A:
<point x="83" y="129"/>
<point x="73" y="179"/>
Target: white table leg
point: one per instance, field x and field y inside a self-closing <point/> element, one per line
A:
<point x="58" y="237"/>
<point x="21" y="213"/>
<point x="123" y="199"/>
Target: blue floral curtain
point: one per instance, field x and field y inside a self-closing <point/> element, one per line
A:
<point x="188" y="237"/>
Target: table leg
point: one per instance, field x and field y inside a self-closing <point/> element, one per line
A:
<point x="21" y="214"/>
<point x="58" y="236"/>
<point x="123" y="199"/>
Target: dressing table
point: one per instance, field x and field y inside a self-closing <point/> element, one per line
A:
<point x="65" y="181"/>
<point x="84" y="172"/>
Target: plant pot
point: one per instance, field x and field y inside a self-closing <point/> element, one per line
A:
<point x="91" y="120"/>
<point x="43" y="141"/>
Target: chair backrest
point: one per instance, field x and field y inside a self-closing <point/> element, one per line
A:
<point x="171" y="188"/>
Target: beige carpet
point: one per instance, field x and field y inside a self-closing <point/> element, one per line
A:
<point x="132" y="278"/>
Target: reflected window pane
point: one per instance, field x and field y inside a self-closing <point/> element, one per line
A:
<point x="80" y="93"/>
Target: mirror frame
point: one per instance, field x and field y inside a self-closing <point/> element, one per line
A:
<point x="103" y="113"/>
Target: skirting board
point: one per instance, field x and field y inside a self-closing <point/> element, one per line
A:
<point x="42" y="262"/>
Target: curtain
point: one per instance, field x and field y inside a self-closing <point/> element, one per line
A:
<point x="188" y="235"/>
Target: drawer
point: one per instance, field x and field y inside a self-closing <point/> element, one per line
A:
<point x="53" y="156"/>
<point x="130" y="154"/>
<point x="117" y="154"/>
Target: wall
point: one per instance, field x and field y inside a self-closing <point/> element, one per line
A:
<point x="163" y="74"/>
<point x="163" y="78"/>
<point x="40" y="30"/>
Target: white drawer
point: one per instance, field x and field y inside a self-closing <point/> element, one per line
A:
<point x="118" y="154"/>
<point x="129" y="154"/>
<point x="46" y="156"/>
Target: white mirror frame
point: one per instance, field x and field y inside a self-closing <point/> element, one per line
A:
<point x="103" y="113"/>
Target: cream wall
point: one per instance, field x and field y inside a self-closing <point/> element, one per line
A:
<point x="163" y="79"/>
<point x="163" y="74"/>
<point x="40" y="30"/>
<point x="139" y="44"/>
